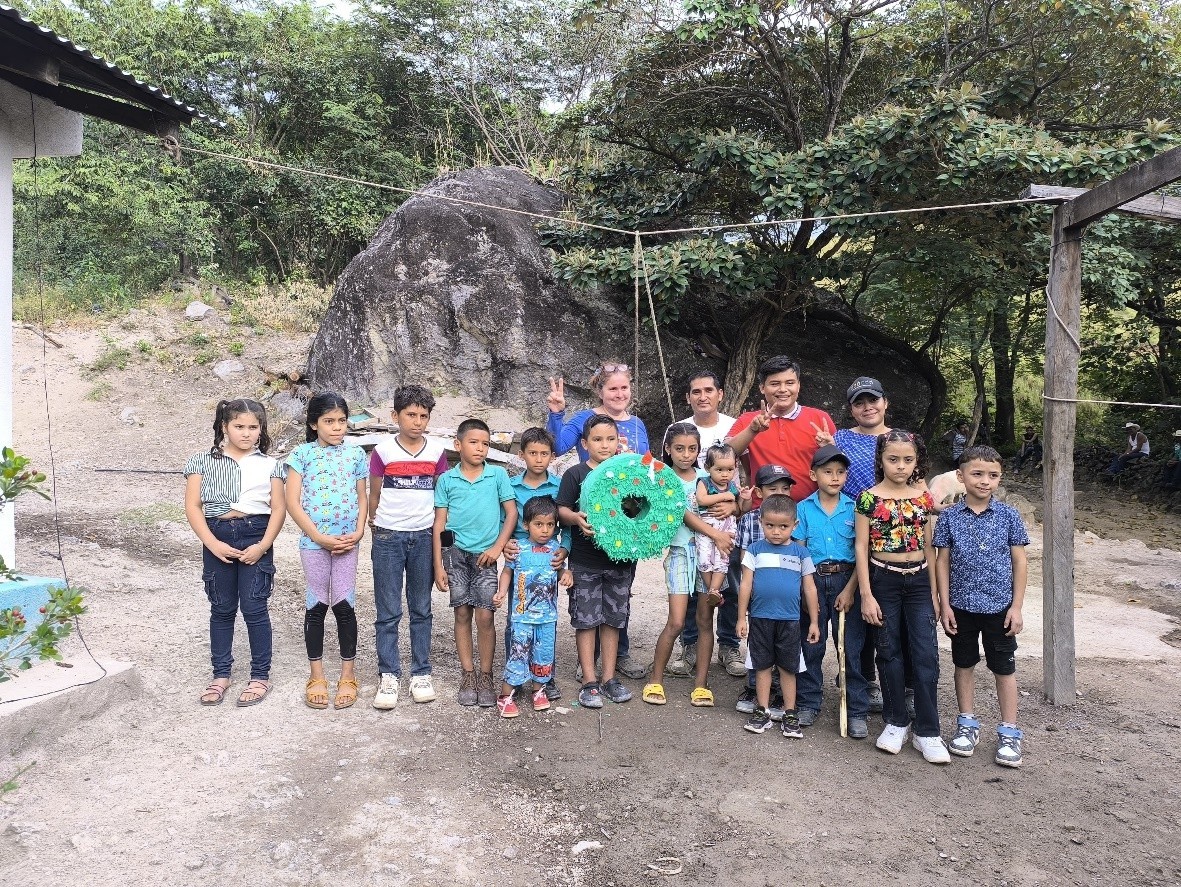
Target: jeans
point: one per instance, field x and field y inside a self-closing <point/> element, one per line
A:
<point x="237" y="586"/>
<point x="398" y="555"/>
<point x="907" y="599"/>
<point x="727" y="612"/>
<point x="810" y="683"/>
<point x="1123" y="461"/>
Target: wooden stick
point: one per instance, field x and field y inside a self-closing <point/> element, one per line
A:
<point x="44" y="335"/>
<point x="841" y="671"/>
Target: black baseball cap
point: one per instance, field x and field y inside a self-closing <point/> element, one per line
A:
<point x="864" y="385"/>
<point x="768" y="474"/>
<point x="827" y="454"/>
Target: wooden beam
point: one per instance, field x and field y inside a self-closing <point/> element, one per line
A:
<point x="1156" y="207"/>
<point x="30" y="63"/>
<point x="94" y="105"/>
<point x="1063" y="297"/>
<point x="1141" y="179"/>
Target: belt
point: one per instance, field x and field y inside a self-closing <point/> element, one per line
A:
<point x="827" y="568"/>
<point x="906" y="569"/>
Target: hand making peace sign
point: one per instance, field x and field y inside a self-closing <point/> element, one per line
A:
<point x="556" y="400"/>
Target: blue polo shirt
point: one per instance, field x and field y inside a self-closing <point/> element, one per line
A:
<point x="778" y="575"/>
<point x="828" y="537"/>
<point x="474" y="510"/>
<point x="523" y="493"/>
<point x="981" y="561"/>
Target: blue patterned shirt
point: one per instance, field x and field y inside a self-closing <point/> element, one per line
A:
<point x="750" y="530"/>
<point x="981" y="561"/>
<point x="861" y="450"/>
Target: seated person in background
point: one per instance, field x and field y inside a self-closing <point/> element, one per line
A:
<point x="1031" y="449"/>
<point x="1137" y="449"/>
<point x="1171" y="479"/>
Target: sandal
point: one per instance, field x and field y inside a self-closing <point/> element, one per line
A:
<point x="250" y="694"/>
<point x="315" y="693"/>
<point x="654" y="694"/>
<point x="214" y="693"/>
<point x="702" y="697"/>
<point x="346" y="697"/>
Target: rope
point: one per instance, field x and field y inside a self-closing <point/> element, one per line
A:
<point x="172" y="145"/>
<point x="1114" y="403"/>
<point x="672" y="413"/>
<point x="637" y="263"/>
<point x="1054" y="308"/>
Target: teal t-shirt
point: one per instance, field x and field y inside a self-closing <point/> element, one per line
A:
<point x="475" y="510"/>
<point x="684" y="536"/>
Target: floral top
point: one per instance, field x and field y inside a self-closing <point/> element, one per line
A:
<point x="328" y="486"/>
<point x="895" y="525"/>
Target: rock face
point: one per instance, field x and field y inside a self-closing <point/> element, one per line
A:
<point x="463" y="300"/>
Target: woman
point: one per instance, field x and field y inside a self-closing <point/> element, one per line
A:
<point x="867" y="405"/>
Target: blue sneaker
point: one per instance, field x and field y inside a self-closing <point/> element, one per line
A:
<point x="589" y="696"/>
<point x="967" y="735"/>
<point x="1008" y="746"/>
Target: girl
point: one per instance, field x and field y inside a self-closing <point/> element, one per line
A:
<point x="681" y="443"/>
<point x="234" y="503"/>
<point x="718" y="487"/>
<point x="894" y="531"/>
<point x="326" y="484"/>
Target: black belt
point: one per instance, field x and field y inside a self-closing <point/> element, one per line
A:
<point x="827" y="568"/>
<point x="906" y="569"/>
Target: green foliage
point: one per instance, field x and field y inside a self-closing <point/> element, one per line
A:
<point x="20" y="646"/>
<point x="11" y="784"/>
<point x="16" y="479"/>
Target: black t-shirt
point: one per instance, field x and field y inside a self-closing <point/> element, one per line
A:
<point x="583" y="550"/>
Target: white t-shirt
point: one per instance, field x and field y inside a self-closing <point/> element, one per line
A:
<point x="710" y="436"/>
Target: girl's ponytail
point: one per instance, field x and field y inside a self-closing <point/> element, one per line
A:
<point x="219" y="430"/>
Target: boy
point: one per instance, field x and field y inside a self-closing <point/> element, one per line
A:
<point x="537" y="452"/>
<point x="601" y="595"/>
<point x="476" y="509"/>
<point x="774" y="571"/>
<point x="402" y="475"/>
<point x="826" y="521"/>
<point x="980" y="569"/>
<point x="534" y="582"/>
<point x="771" y="480"/>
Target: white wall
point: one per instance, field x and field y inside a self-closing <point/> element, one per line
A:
<point x="29" y="125"/>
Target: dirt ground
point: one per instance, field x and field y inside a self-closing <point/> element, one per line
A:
<point x="162" y="791"/>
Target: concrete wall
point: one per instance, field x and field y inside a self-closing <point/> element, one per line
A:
<point x="29" y="126"/>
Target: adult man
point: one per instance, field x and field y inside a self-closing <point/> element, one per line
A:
<point x="704" y="396"/>
<point x="783" y="432"/>
<point x="1137" y="449"/>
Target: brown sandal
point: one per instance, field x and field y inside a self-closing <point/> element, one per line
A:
<point x="316" y="693"/>
<point x="346" y="697"/>
<point x="251" y="690"/>
<point x="214" y="693"/>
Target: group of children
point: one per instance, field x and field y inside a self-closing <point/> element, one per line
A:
<point x="886" y="561"/>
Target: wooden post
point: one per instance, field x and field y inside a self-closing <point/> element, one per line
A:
<point x="1061" y="381"/>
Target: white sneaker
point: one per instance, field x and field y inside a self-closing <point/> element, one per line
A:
<point x="421" y="688"/>
<point x="932" y="748"/>
<point x="892" y="739"/>
<point x="387" y="693"/>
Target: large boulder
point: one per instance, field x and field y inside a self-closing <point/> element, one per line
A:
<point x="463" y="299"/>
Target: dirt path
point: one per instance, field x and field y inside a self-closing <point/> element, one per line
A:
<point x="161" y="791"/>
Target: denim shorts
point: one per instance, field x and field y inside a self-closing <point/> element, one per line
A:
<point x="469" y="585"/>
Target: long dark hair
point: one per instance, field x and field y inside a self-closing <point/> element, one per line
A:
<point x="322" y="403"/>
<point x="229" y="409"/>
<point x="677" y="429"/>
<point x="896" y="435"/>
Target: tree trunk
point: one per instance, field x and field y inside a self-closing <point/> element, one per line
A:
<point x="1004" y="367"/>
<point x="919" y="361"/>
<point x="742" y="369"/>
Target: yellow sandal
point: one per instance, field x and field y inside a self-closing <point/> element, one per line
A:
<point x="316" y="693"/>
<point x="346" y="697"/>
<point x="654" y="694"/>
<point x="702" y="697"/>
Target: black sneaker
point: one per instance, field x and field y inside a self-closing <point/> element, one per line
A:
<point x="758" y="721"/>
<point x="746" y="701"/>
<point x="790" y="725"/>
<point x="552" y="691"/>
<point x="775" y="709"/>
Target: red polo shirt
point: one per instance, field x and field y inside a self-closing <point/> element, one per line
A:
<point x="790" y="442"/>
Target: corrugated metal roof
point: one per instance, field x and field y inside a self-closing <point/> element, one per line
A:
<point x="92" y="72"/>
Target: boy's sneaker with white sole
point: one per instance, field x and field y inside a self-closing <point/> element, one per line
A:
<point x="746" y="701"/>
<point x="421" y="688"/>
<point x="892" y="739"/>
<point x="387" y="693"/>
<point x="1008" y="746"/>
<point x="758" y="722"/>
<point x="933" y="749"/>
<point x="967" y="735"/>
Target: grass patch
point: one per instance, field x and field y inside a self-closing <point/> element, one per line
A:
<point x="150" y="515"/>
<point x="295" y="307"/>
<point x="100" y="392"/>
<point x="113" y="356"/>
<point x="237" y="349"/>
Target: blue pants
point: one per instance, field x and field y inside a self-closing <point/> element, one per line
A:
<point x="727" y="612"/>
<point x="906" y="600"/>
<point x="237" y="586"/>
<point x="810" y="683"/>
<point x="403" y="559"/>
<point x="531" y="653"/>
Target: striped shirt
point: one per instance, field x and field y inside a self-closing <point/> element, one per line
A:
<point x="407" y="500"/>
<point x="228" y="484"/>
